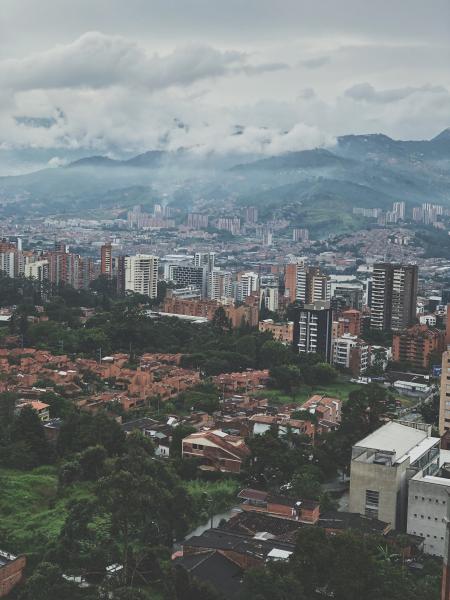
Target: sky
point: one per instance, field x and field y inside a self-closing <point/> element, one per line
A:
<point x="124" y="76"/>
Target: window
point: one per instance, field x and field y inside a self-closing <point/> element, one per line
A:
<point x="372" y="503"/>
<point x="197" y="446"/>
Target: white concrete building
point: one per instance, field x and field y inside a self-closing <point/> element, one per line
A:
<point x="427" y="505"/>
<point x="268" y="297"/>
<point x="429" y="320"/>
<point x="8" y="263"/>
<point x="141" y="274"/>
<point x="247" y="285"/>
<point x="37" y="270"/>
<point x="350" y="352"/>
<point x="382" y="465"/>
<point x="219" y="284"/>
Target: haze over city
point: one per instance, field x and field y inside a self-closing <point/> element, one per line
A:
<point x="224" y="300"/>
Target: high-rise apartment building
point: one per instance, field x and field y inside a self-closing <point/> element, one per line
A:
<point x="141" y="274"/>
<point x="349" y="352"/>
<point x="268" y="297"/>
<point x="444" y="405"/>
<point x="197" y="221"/>
<point x="119" y="267"/>
<point x="247" y="285"/>
<point x="37" y="270"/>
<point x="106" y="260"/>
<point x="231" y="224"/>
<point x="189" y="276"/>
<point x="394" y="296"/>
<point x="205" y="259"/>
<point x="251" y="215"/>
<point x="219" y="284"/>
<point x="347" y="296"/>
<point x="318" y="286"/>
<point x="399" y="210"/>
<point x="313" y="325"/>
<point x="312" y="285"/>
<point x="290" y="281"/>
<point x="300" y="234"/>
<point x="306" y="284"/>
<point x="8" y="263"/>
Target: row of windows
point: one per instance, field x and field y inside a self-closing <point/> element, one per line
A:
<point x="425" y="535"/>
<point x="436" y="500"/>
<point x="429" y="518"/>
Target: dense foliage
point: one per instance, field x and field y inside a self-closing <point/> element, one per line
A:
<point x="348" y="566"/>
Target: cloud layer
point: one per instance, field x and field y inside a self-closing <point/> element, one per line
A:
<point x="96" y="61"/>
<point x="261" y="77"/>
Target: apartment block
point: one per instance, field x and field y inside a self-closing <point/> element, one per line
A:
<point x="417" y="344"/>
<point x="141" y="274"/>
<point x="282" y="332"/>
<point x="313" y="326"/>
<point x="106" y="262"/>
<point x="350" y="352"/>
<point x="394" y="296"/>
<point x="444" y="404"/>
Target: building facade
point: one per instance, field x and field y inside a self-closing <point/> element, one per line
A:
<point x="416" y="345"/>
<point x="350" y="352"/>
<point x="382" y="465"/>
<point x="313" y="327"/>
<point x="394" y="296"/>
<point x="141" y="274"/>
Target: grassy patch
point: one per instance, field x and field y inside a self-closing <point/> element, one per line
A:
<point x="339" y="389"/>
<point x="31" y="513"/>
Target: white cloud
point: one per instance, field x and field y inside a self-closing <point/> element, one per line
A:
<point x="366" y="92"/>
<point x="96" y="60"/>
<point x="110" y="93"/>
<point x="57" y="161"/>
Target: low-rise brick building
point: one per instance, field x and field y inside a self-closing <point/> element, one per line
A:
<point x="282" y="332"/>
<point x="217" y="450"/>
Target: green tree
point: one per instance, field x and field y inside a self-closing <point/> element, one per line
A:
<point x="7" y="404"/>
<point x="92" y="462"/>
<point x="286" y="377"/>
<point x="320" y="374"/>
<point x="27" y="434"/>
<point x="220" y="319"/>
<point x="306" y="483"/>
<point x="178" y="434"/>
<point x="47" y="582"/>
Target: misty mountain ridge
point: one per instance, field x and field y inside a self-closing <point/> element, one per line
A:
<point x="349" y="148"/>
<point x="147" y="159"/>
<point x="317" y="187"/>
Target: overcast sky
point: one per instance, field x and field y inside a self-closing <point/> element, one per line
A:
<point x="141" y="74"/>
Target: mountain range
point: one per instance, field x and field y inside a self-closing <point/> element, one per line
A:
<point x="312" y="187"/>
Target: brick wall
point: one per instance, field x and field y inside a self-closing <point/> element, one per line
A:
<point x="10" y="575"/>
